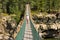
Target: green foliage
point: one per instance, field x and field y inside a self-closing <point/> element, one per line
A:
<point x="16" y="6"/>
<point x="46" y="5"/>
<point x="13" y="8"/>
<point x="38" y="5"/>
<point x="17" y="17"/>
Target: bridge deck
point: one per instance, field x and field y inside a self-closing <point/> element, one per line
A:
<point x="28" y="32"/>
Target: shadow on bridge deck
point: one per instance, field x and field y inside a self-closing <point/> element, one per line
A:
<point x="27" y="32"/>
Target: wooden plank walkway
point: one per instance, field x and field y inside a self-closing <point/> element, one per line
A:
<point x="28" y="32"/>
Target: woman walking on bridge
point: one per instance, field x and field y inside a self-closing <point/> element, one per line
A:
<point x="27" y="12"/>
<point x="27" y="18"/>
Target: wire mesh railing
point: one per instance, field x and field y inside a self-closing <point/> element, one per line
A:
<point x="20" y="35"/>
<point x="34" y="32"/>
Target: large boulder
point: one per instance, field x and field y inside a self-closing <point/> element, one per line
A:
<point x="53" y="26"/>
<point x="58" y="15"/>
<point x="43" y="27"/>
<point x="58" y="25"/>
<point x="2" y="28"/>
<point x="50" y="33"/>
<point x="1" y="36"/>
<point x="40" y="15"/>
<point x="50" y="18"/>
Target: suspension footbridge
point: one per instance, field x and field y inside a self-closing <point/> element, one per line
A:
<point x="27" y="31"/>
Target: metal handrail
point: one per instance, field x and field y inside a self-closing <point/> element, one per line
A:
<point x="20" y="35"/>
<point x="34" y="32"/>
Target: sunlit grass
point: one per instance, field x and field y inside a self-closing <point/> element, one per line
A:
<point x="4" y="14"/>
<point x="38" y="13"/>
<point x="34" y="12"/>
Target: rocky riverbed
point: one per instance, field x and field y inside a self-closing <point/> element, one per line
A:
<point x="48" y="25"/>
<point x="7" y="27"/>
